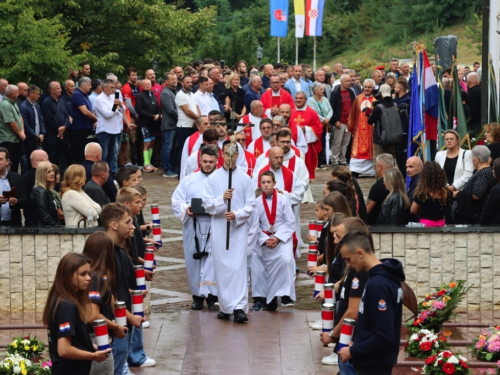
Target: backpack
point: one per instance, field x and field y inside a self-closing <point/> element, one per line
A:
<point x="389" y="129"/>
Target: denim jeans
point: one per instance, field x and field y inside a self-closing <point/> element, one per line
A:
<point x="168" y="144"/>
<point x="346" y="368"/>
<point x="136" y="354"/>
<point x="120" y="349"/>
<point x="110" y="144"/>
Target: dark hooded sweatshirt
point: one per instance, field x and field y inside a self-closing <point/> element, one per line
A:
<point x="378" y="329"/>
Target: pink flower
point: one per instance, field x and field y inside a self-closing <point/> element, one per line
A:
<point x="494" y="347"/>
<point x="480" y="344"/>
<point x="498" y="364"/>
<point x="439" y="305"/>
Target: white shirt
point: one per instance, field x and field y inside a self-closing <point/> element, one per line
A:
<point x="182" y="98"/>
<point x="297" y="84"/>
<point x="108" y="121"/>
<point x="204" y="101"/>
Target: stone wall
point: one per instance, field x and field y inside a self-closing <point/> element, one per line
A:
<point x="431" y="256"/>
<point x="28" y="263"/>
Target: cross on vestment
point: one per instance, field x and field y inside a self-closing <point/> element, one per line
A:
<point x="298" y="120"/>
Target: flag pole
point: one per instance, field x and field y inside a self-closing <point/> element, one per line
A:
<point x="296" y="51"/>
<point x="278" y="49"/>
<point x="314" y="55"/>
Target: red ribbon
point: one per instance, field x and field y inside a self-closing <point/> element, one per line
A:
<point x="271" y="216"/>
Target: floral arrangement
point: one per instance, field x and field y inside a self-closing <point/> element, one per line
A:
<point x="43" y="368"/>
<point x="27" y="347"/>
<point x="438" y="307"/>
<point x="446" y="362"/>
<point x="15" y="364"/>
<point x="424" y="343"/>
<point x="486" y="347"/>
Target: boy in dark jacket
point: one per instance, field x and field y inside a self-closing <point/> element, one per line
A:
<point x="375" y="347"/>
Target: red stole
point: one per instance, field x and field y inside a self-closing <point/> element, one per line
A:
<point x="258" y="147"/>
<point x="271" y="215"/>
<point x="248" y="130"/>
<point x="251" y="161"/>
<point x="220" y="160"/>
<point x="291" y="164"/>
<point x="192" y="141"/>
<point x="287" y="177"/>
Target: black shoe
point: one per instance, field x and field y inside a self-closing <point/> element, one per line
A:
<point x="273" y="305"/>
<point x="197" y="303"/>
<point x="257" y="306"/>
<point x="222" y="315"/>
<point x="240" y="316"/>
<point x="211" y="307"/>
<point x="286" y="301"/>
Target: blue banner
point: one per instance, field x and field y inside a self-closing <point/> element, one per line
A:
<point x="279" y="18"/>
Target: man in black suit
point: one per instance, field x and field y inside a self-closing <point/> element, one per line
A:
<point x="10" y="207"/>
<point x="93" y="153"/>
<point x="28" y="180"/>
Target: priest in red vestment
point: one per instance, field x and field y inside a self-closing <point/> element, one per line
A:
<point x="272" y="99"/>
<point x="362" y="133"/>
<point x="306" y="120"/>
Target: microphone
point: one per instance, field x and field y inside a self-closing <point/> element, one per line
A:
<point x="117" y="96"/>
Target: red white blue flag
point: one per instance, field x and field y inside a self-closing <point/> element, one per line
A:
<point x="314" y="17"/>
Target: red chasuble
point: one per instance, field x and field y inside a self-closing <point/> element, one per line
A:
<point x="270" y="101"/>
<point x="362" y="132"/>
<point x="308" y="118"/>
<point x="287" y="177"/>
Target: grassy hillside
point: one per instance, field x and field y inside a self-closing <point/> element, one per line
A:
<point x="376" y="51"/>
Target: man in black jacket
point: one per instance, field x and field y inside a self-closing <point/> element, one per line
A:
<point x="10" y="211"/>
<point x="93" y="153"/>
<point x="93" y="188"/>
<point x="341" y="100"/>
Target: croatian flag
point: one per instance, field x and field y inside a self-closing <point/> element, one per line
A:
<point x="314" y="17"/>
<point x="300" y="13"/>
<point x="431" y="101"/>
<point x="279" y="18"/>
<point x="64" y="327"/>
<point x="94" y="295"/>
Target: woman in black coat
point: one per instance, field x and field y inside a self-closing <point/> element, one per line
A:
<point x="45" y="208"/>
<point x="395" y="208"/>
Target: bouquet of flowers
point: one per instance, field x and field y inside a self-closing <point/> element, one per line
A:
<point x="446" y="362"/>
<point x="438" y="307"/>
<point x="486" y="347"/>
<point x="424" y="343"/>
<point x="42" y="368"/>
<point x="15" y="364"/>
<point x="26" y="347"/>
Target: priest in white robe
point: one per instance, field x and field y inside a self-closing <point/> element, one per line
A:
<point x="200" y="271"/>
<point x="277" y="227"/>
<point x="193" y="142"/>
<point x="230" y="265"/>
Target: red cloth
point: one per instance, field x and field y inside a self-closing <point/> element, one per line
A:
<point x="258" y="147"/>
<point x="192" y="141"/>
<point x="287" y="177"/>
<point x="251" y="161"/>
<point x="268" y="101"/>
<point x="346" y="106"/>
<point x="248" y="130"/>
<point x="128" y="92"/>
<point x="308" y="118"/>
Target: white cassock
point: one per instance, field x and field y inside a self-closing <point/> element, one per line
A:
<point x="186" y="154"/>
<point x="200" y="272"/>
<point x="230" y="265"/>
<point x="242" y="160"/>
<point x="251" y="146"/>
<point x="301" y="142"/>
<point x="279" y="263"/>
<point x="252" y="240"/>
<point x="295" y="196"/>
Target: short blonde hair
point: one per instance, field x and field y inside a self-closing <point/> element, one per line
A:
<point x="41" y="175"/>
<point x="126" y="194"/>
<point x="74" y="178"/>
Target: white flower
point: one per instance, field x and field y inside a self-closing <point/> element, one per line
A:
<point x="453" y="360"/>
<point x="423" y="369"/>
<point x="26" y="342"/>
<point x="462" y="358"/>
<point x="436" y="345"/>
<point x="413" y="337"/>
<point x="17" y="370"/>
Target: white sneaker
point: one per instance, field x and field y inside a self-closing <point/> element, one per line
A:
<point x="150" y="362"/>
<point x="317" y="325"/>
<point x="146" y="324"/>
<point x="332" y="359"/>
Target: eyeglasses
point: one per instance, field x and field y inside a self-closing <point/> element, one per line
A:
<point x="240" y="140"/>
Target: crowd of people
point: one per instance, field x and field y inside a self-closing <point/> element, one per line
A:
<point x="267" y="131"/>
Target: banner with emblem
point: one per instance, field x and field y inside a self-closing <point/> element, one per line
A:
<point x="314" y="17"/>
<point x="300" y="13"/>
<point x="279" y="18"/>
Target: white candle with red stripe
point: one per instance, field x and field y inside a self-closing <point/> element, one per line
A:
<point x="319" y="228"/>
<point x="157" y="234"/>
<point x="149" y="259"/>
<point x="327" y="317"/>
<point x="319" y="282"/>
<point x="155" y="214"/>
<point x="140" y="277"/>
<point x="312" y="228"/>
<point x="121" y="313"/>
<point x="312" y="256"/>
<point x="329" y="294"/>
<point x="101" y="334"/>
<point x="137" y="302"/>
<point x="346" y="333"/>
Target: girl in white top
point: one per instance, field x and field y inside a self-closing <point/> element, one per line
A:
<point x="75" y="201"/>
